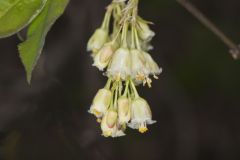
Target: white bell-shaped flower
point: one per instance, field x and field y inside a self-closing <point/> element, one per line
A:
<point x="120" y="66"/>
<point x="109" y="125"/>
<point x="141" y="115"/>
<point x="124" y="110"/>
<point x="98" y="39"/>
<point x="144" y="31"/>
<point x="101" y="102"/>
<point x="151" y="65"/>
<point x="138" y="66"/>
<point x="104" y="55"/>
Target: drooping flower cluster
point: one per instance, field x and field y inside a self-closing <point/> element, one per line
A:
<point x="120" y="49"/>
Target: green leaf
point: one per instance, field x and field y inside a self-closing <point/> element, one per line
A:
<point x="31" y="49"/>
<point x="17" y="14"/>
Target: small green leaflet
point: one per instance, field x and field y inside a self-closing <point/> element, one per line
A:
<point x="31" y="49"/>
<point x="17" y="14"/>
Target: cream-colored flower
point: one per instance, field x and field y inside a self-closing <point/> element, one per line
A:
<point x="138" y="66"/>
<point x="109" y="125"/>
<point x="101" y="102"/>
<point x="141" y="115"/>
<point x="119" y="47"/>
<point x="102" y="58"/>
<point x="151" y="65"/>
<point x="120" y="66"/>
<point x="124" y="110"/>
<point x="144" y="31"/>
<point x="98" y="39"/>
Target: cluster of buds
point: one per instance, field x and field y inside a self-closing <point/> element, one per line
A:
<point x="120" y="49"/>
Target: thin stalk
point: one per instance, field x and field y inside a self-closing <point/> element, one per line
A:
<point x="107" y="17"/>
<point x="126" y="88"/>
<point x="137" y="39"/>
<point x="124" y="34"/>
<point x="116" y="96"/>
<point x="108" y="84"/>
<point x="134" y="89"/>
<point x="234" y="48"/>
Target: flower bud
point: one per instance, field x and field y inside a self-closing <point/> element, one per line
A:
<point x="151" y="65"/>
<point x="101" y="60"/>
<point x="111" y="118"/>
<point x="141" y="115"/>
<point x="109" y="125"/>
<point x="101" y="102"/>
<point x="97" y="40"/>
<point x="145" y="33"/>
<point x="124" y="110"/>
<point x="120" y="66"/>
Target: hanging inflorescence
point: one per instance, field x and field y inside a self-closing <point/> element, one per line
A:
<point x="119" y="48"/>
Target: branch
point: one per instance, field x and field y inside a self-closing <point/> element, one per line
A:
<point x="234" y="49"/>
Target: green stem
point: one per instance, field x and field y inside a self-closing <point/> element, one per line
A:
<point x="108" y="84"/>
<point x="116" y="37"/>
<point x="133" y="45"/>
<point x="134" y="89"/>
<point x="126" y="88"/>
<point x="124" y="34"/>
<point x="116" y="96"/>
<point x="120" y="88"/>
<point x="111" y="102"/>
<point x="107" y="17"/>
<point x="137" y="39"/>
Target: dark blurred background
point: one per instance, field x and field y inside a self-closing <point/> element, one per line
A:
<point x="196" y="101"/>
